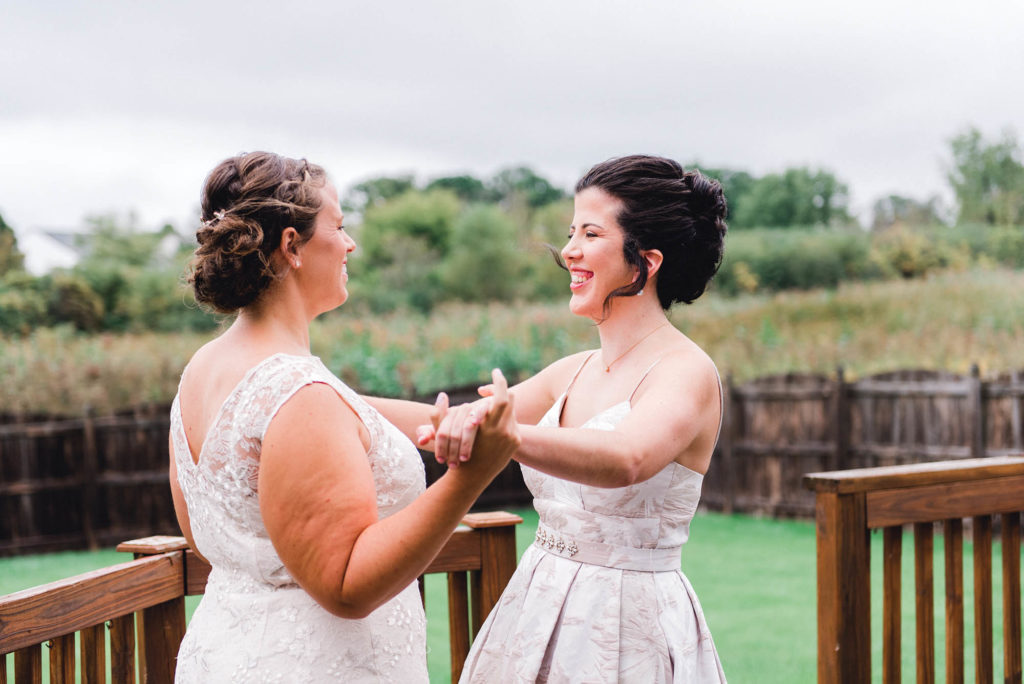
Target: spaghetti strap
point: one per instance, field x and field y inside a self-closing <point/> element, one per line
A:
<point x="718" y="377"/>
<point x="579" y="370"/>
<point x="565" y="394"/>
<point x="721" y="404"/>
<point x="644" y="377"/>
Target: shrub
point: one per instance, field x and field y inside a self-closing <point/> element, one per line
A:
<point x="73" y="301"/>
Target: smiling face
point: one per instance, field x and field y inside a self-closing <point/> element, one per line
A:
<point x="323" y="258"/>
<point x="594" y="253"/>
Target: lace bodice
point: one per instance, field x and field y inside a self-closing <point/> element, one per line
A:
<point x="255" y="623"/>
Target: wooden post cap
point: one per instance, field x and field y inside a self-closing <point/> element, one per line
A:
<point x="153" y="545"/>
<point x="492" y="519"/>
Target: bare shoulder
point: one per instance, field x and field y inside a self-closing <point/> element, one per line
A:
<point x="535" y="395"/>
<point x="684" y="365"/>
<point x="560" y="372"/>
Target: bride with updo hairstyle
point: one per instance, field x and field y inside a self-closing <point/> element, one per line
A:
<point x="614" y="444"/>
<point x="309" y="505"/>
<point x="247" y="202"/>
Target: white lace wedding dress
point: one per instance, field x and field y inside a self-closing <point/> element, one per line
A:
<point x="254" y="623"/>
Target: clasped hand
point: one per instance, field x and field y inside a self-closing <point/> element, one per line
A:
<point x="486" y="426"/>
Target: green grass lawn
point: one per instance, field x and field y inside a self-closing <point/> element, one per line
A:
<point x="755" y="578"/>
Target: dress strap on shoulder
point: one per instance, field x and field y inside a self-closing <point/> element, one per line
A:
<point x="721" y="403"/>
<point x="644" y="377"/>
<point x="579" y="370"/>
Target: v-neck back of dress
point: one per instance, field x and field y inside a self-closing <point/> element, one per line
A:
<point x="254" y="621"/>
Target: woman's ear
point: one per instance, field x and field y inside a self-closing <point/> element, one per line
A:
<point x="653" y="259"/>
<point x="288" y="250"/>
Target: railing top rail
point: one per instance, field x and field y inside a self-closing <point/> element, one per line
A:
<point x="914" y="475"/>
<point x="51" y="610"/>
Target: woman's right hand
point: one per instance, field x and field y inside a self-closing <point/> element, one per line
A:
<point x="484" y="430"/>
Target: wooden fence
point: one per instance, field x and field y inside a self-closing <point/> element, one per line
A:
<point x="778" y="428"/>
<point x="93" y="481"/>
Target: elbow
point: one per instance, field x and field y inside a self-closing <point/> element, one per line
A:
<point x="629" y="471"/>
<point x="351" y="611"/>
<point x="347" y="608"/>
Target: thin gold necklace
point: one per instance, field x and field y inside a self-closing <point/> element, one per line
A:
<point x="608" y="366"/>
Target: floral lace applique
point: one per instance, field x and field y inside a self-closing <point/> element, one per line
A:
<point x="255" y="624"/>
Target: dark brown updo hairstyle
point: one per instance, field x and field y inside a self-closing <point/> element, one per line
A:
<point x="247" y="203"/>
<point x="665" y="207"/>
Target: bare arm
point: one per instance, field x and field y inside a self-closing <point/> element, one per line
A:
<point x="318" y="502"/>
<point x="405" y="415"/>
<point x="534" y="397"/>
<point x="674" y="417"/>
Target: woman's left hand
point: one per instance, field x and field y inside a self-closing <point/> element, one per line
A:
<point x="454" y="430"/>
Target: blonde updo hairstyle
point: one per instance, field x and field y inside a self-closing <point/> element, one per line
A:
<point x="247" y="203"/>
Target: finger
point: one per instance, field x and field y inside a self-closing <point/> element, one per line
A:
<point x="480" y="412"/>
<point x="500" y="387"/>
<point x="468" y="435"/>
<point x="485" y="390"/>
<point x="450" y="435"/>
<point x="440" y="409"/>
<point x="424" y="433"/>
<point x="442" y="435"/>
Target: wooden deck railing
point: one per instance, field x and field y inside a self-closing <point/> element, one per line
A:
<point x="146" y="597"/>
<point x="851" y="503"/>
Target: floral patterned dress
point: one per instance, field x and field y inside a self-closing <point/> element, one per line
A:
<point x="254" y="623"/>
<point x="599" y="596"/>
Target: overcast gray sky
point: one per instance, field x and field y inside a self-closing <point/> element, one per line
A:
<point x="126" y="106"/>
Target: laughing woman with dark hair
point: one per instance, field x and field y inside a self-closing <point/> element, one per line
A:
<point x="614" y="444"/>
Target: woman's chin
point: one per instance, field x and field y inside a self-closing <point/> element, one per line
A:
<point x="580" y="306"/>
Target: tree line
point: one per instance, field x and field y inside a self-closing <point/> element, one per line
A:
<point x="459" y="237"/>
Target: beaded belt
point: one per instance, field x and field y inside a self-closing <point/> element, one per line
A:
<point x="606" y="555"/>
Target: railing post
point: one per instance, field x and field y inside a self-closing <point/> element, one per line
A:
<point x="161" y="627"/>
<point x="844" y="588"/>
<point x="497" y="560"/>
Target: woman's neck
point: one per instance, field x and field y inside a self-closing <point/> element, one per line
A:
<point x="276" y="328"/>
<point x="627" y="323"/>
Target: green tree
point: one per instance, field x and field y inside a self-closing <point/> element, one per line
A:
<point x="485" y="262"/>
<point x="73" y="301"/>
<point x="893" y="210"/>
<point x="121" y="263"/>
<point x="24" y="302"/>
<point x="376" y="191"/>
<point x="523" y="182"/>
<point x="10" y="258"/>
<point x="736" y="185"/>
<point x="467" y="188"/>
<point x="988" y="178"/>
<point x="796" y="197"/>
<point x="548" y="228"/>
<point x="401" y="245"/>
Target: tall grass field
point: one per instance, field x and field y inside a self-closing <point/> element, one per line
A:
<point x="945" y="321"/>
<point x="755" y="579"/>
